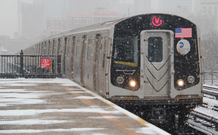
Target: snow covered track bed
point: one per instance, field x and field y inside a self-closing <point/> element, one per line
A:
<point x="205" y="118"/>
<point x="60" y="106"/>
<point x="210" y="91"/>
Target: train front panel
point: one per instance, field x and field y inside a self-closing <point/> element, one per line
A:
<point x="155" y="58"/>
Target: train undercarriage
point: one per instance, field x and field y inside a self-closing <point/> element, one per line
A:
<point x="171" y="117"/>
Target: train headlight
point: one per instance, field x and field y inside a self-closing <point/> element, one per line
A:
<point x="132" y="83"/>
<point x="191" y="79"/>
<point x="180" y="83"/>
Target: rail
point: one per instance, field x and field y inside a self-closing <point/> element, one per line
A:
<point x="204" y="118"/>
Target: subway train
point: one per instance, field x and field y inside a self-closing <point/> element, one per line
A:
<point x="148" y="61"/>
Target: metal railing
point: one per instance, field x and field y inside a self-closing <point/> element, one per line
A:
<point x="210" y="78"/>
<point x="30" y="66"/>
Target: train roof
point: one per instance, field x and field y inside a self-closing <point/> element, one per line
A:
<point x="105" y="25"/>
<point x="97" y="26"/>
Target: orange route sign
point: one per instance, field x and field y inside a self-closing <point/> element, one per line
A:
<point x="45" y="63"/>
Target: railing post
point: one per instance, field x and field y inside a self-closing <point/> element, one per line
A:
<point x="212" y="78"/>
<point x="21" y="63"/>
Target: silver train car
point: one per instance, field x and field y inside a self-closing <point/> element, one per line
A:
<point x="149" y="60"/>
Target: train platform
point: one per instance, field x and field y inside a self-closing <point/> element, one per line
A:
<point x="60" y="106"/>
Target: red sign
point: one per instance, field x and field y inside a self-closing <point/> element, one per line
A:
<point x="45" y="63"/>
<point x="156" y="21"/>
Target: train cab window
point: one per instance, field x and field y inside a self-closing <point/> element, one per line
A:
<point x="126" y="51"/>
<point x="155" y="49"/>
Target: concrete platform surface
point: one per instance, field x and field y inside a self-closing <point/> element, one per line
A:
<point x="60" y="106"/>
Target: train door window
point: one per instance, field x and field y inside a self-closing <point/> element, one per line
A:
<point x="66" y="45"/>
<point x="39" y="50"/>
<point x="49" y="47"/>
<point x="73" y="44"/>
<point x="77" y="48"/>
<point x="105" y="43"/>
<point x="54" y="48"/>
<point x="101" y="44"/>
<point x="155" y="49"/>
<point x="89" y="52"/>
<point x="59" y="45"/>
<point x="44" y="48"/>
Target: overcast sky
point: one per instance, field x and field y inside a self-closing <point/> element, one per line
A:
<point x="9" y="16"/>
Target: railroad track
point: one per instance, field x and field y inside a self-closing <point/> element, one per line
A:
<point x="212" y="88"/>
<point x="205" y="118"/>
<point x="210" y="92"/>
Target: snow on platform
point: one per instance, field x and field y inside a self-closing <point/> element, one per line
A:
<point x="60" y="106"/>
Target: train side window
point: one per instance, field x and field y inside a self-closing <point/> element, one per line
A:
<point x="155" y="49"/>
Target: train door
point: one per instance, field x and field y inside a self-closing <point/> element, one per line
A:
<point x="68" y="57"/>
<point x="83" y="61"/>
<point x="156" y="60"/>
<point x="98" y="39"/>
<point x="90" y="61"/>
<point x="100" y="63"/>
<point x="76" y="59"/>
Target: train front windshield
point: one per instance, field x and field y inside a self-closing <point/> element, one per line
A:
<point x="126" y="51"/>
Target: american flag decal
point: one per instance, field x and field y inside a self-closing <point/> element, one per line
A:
<point x="183" y="33"/>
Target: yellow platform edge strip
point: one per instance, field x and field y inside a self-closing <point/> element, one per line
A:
<point x="129" y="114"/>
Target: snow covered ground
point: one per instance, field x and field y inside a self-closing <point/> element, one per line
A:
<point x="60" y="106"/>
